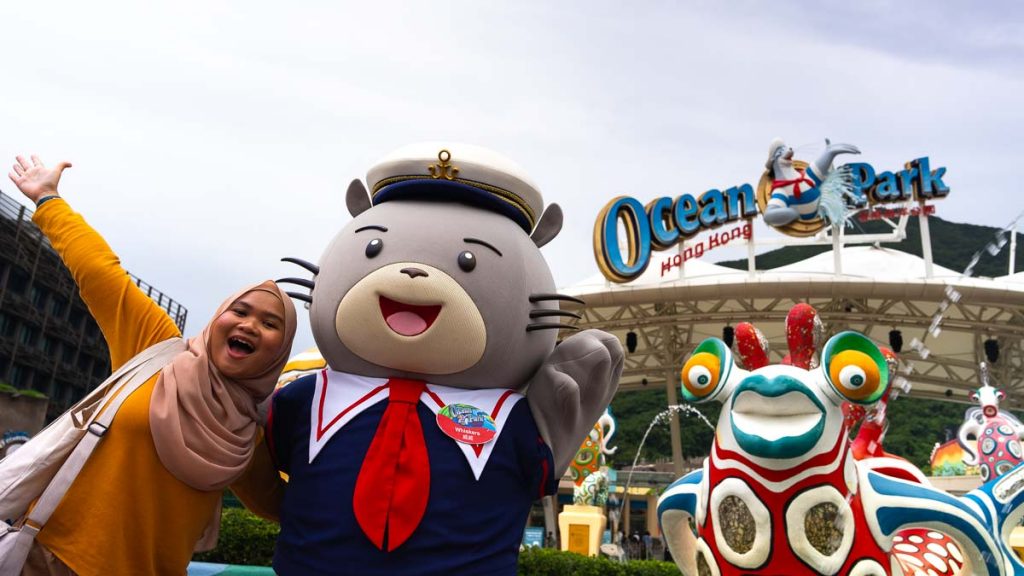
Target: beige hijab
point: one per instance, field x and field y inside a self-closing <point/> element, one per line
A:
<point x="204" y="423"/>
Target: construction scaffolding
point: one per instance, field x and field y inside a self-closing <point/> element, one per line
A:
<point x="48" y="340"/>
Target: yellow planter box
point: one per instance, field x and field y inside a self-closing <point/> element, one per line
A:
<point x="581" y="528"/>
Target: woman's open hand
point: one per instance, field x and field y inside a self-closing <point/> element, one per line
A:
<point x="36" y="180"/>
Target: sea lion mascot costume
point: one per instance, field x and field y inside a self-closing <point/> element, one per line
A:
<point x="446" y="409"/>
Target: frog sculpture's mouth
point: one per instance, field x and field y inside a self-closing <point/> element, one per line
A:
<point x="777" y="418"/>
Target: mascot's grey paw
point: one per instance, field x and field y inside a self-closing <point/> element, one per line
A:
<point x="572" y="388"/>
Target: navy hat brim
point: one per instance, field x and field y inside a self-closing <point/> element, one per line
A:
<point x="452" y="191"/>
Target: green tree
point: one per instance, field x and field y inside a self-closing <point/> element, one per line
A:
<point x="915" y="426"/>
<point x="635" y="411"/>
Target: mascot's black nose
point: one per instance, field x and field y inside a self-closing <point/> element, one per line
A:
<point x="413" y="272"/>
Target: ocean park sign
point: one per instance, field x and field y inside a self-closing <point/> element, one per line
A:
<point x="797" y="198"/>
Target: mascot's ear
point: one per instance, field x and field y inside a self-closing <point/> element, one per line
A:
<point x="549" y="226"/>
<point x="357" y="199"/>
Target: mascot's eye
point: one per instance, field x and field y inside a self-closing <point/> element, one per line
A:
<point x="705" y="372"/>
<point x="855" y="368"/>
<point x="467" y="261"/>
<point x="374" y="247"/>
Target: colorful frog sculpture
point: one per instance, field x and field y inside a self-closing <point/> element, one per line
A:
<point x="916" y="550"/>
<point x="782" y="493"/>
<point x="990" y="437"/>
<point x="591" y="455"/>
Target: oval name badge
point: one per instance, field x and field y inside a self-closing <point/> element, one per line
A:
<point x="466" y="424"/>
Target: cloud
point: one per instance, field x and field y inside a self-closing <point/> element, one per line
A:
<point x="212" y="138"/>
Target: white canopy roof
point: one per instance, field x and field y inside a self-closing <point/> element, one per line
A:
<point x="879" y="290"/>
<point x="867" y="262"/>
<point x="1018" y="277"/>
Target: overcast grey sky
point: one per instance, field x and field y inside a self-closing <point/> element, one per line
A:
<point x="212" y="138"/>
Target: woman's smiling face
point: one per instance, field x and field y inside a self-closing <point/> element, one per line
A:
<point x="247" y="337"/>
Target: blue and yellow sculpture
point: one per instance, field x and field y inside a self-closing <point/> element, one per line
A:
<point x="589" y="467"/>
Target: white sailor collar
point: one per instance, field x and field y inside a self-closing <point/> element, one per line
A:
<point x="339" y="397"/>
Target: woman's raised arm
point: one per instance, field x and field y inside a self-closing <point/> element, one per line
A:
<point x="130" y="320"/>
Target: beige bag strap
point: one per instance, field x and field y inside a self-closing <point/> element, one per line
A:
<point x="143" y="366"/>
<point x="102" y="391"/>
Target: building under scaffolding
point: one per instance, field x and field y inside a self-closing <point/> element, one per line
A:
<point x="48" y="341"/>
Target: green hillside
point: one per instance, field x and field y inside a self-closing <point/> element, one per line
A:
<point x="915" y="425"/>
<point x="953" y="245"/>
<point x="634" y="412"/>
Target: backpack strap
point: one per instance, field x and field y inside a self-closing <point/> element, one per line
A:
<point x="134" y="374"/>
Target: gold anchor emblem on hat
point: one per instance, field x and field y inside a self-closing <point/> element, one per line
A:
<point x="443" y="169"/>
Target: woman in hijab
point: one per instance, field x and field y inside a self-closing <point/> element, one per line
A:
<point x="151" y="490"/>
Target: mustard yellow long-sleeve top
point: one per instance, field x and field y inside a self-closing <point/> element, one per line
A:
<point x="125" y="514"/>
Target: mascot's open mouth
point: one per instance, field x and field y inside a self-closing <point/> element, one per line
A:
<point x="408" y="319"/>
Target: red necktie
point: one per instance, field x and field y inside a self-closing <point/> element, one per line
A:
<point x="796" y="182"/>
<point x="394" y="483"/>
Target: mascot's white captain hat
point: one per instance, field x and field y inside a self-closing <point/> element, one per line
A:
<point x="458" y="172"/>
<point x="773" y="151"/>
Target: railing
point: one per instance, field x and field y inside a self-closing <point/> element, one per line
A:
<point x="16" y="212"/>
<point x="176" y="311"/>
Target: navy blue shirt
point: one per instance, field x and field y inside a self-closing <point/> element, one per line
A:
<point x="470" y="526"/>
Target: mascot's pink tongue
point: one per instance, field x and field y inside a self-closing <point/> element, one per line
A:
<point x="406" y="323"/>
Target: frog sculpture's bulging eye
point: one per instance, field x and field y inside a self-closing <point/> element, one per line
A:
<point x="855" y="368"/>
<point x="855" y="378"/>
<point x="704" y="373"/>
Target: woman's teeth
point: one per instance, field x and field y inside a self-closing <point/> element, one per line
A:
<point x="239" y="345"/>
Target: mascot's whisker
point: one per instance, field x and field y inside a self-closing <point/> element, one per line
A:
<point x="307" y="265"/>
<point x="534" y="298"/>
<point x="298" y="296"/>
<point x="544" y="297"/>
<point x="544" y="326"/>
<point x="299" y="281"/>
<point x="545" y="313"/>
<point x="307" y="298"/>
<point x="310" y="284"/>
